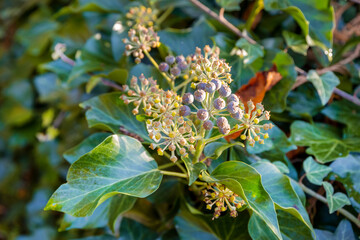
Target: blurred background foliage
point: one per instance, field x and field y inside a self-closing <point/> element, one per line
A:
<point x="40" y="117"/>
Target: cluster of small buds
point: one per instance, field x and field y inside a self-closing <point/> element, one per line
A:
<point x="176" y="66"/>
<point x="172" y="133"/>
<point x="208" y="66"/>
<point x="138" y="94"/>
<point x="140" y="39"/>
<point x="141" y="16"/>
<point x="223" y="199"/>
<point x="250" y="123"/>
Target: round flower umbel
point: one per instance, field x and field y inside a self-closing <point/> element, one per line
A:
<point x="172" y="134"/>
<point x="141" y="16"/>
<point x="176" y="66"/>
<point x="138" y="94"/>
<point x="206" y="67"/>
<point x="250" y="123"/>
<point x="140" y="39"/>
<point x="222" y="199"/>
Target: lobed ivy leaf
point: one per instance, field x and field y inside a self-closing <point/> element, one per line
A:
<point x="335" y="201"/>
<point x="324" y="141"/>
<point x="109" y="112"/>
<point x="215" y="149"/>
<point x="296" y="42"/>
<point x="315" y="172"/>
<point x="120" y="164"/>
<point x="324" y="84"/>
<point x="193" y="169"/>
<point x="347" y="172"/>
<point x="346" y="113"/>
<point x="248" y="185"/>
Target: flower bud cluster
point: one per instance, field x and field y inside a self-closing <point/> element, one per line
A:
<point x="250" y="123"/>
<point x="221" y="199"/>
<point x="141" y="16"/>
<point x="176" y="66"/>
<point x="140" y="39"/>
<point x="208" y="66"/>
<point x="138" y="94"/>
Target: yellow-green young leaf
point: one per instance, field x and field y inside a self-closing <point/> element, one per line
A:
<point x="296" y="42"/>
<point x="120" y="164"/>
<point x="215" y="149"/>
<point x="109" y="112"/>
<point x="315" y="172"/>
<point x="93" y="81"/>
<point x="253" y="51"/>
<point x="246" y="182"/>
<point x="335" y="201"/>
<point x="324" y="141"/>
<point x="286" y="201"/>
<point x="324" y="84"/>
<point x="193" y="169"/>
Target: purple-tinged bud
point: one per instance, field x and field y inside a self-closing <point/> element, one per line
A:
<point x="217" y="83"/>
<point x="201" y="86"/>
<point x="232" y="107"/>
<point x="188" y="98"/>
<point x="221" y="122"/>
<point x="183" y="65"/>
<point x="175" y="71"/>
<point x="199" y="95"/>
<point x="208" y="125"/>
<point x="225" y="129"/>
<point x="184" y="111"/>
<point x="219" y="103"/>
<point x="210" y="87"/>
<point x="163" y="67"/>
<point x="238" y="115"/>
<point x="233" y="98"/>
<point x="180" y="59"/>
<point x="224" y="91"/>
<point x="202" y="114"/>
<point x="170" y="59"/>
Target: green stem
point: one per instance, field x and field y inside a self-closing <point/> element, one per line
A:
<point x="164" y="15"/>
<point x="171" y="83"/>
<point x="183" y="84"/>
<point x="181" y="167"/>
<point x="200" y="183"/>
<point x="200" y="145"/>
<point x="175" y="174"/>
<point x="322" y="199"/>
<point x="167" y="165"/>
<point x="221" y="136"/>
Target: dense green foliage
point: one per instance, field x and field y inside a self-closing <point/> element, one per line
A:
<point x="70" y="143"/>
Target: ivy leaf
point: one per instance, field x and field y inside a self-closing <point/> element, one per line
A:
<point x="281" y="167"/>
<point x="186" y="40"/>
<point x="132" y="230"/>
<point x="286" y="200"/>
<point x="110" y="168"/>
<point x="188" y="230"/>
<point x="335" y="201"/>
<point x="103" y="6"/>
<point x="324" y="141"/>
<point x="105" y="214"/>
<point x="254" y="51"/>
<point x="193" y="169"/>
<point x="315" y="172"/>
<point x="229" y="5"/>
<point x="296" y="42"/>
<point x="109" y="112"/>
<point x="347" y="171"/>
<point x="215" y="149"/>
<point x="346" y="113"/>
<point x="324" y="84"/>
<point x="248" y="186"/>
<point x="343" y="231"/>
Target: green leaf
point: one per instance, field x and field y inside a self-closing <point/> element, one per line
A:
<point x="343" y="231"/>
<point x="254" y="51"/>
<point x="335" y="201"/>
<point x="103" y="6"/>
<point x="105" y="214"/>
<point x="184" y="41"/>
<point x="132" y="230"/>
<point x="215" y="149"/>
<point x="84" y="147"/>
<point x="296" y="42"/>
<point x="189" y="231"/>
<point x="229" y="5"/>
<point x="315" y="172"/>
<point x="246" y="182"/>
<point x="346" y="113"/>
<point x="110" y="168"/>
<point x="285" y="198"/>
<point x="347" y="172"/>
<point x="275" y="99"/>
<point x="193" y="169"/>
<point x="324" y="84"/>
<point x="109" y="112"/>
<point x="281" y="167"/>
<point x="324" y="141"/>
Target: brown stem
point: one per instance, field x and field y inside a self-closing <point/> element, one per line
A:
<point x="222" y="20"/>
